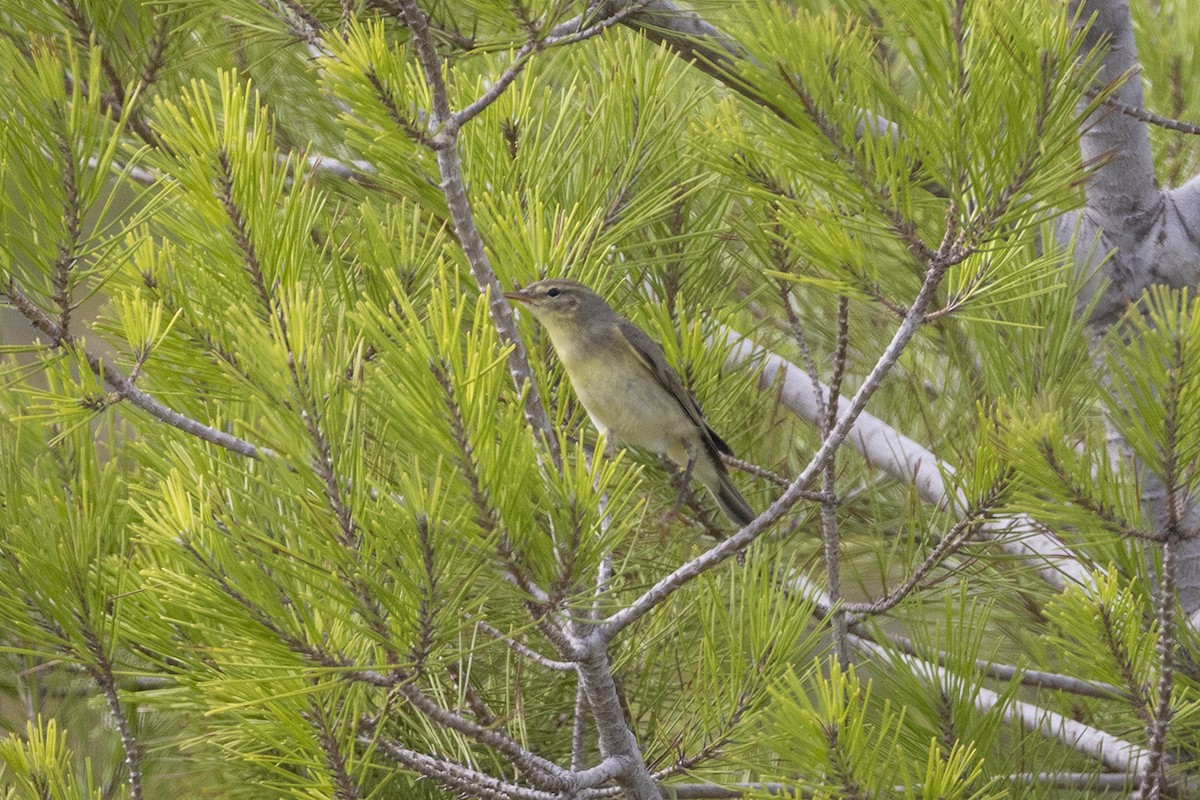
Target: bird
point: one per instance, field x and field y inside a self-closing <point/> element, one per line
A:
<point x="629" y="390"/>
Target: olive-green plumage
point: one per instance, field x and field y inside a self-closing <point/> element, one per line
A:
<point x="629" y="390"/>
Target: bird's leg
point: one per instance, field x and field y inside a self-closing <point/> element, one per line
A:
<point x="684" y="492"/>
<point x="687" y="477"/>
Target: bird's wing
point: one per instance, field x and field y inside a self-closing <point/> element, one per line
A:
<point x="652" y="356"/>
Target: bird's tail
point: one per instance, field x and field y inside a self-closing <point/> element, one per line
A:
<point x="717" y="479"/>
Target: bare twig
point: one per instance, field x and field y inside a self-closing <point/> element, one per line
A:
<point x="524" y="650"/>
<point x="830" y="538"/>
<point x="1142" y="115"/>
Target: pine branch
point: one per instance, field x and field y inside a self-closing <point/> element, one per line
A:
<point x="1111" y="751"/>
<point x="116" y="103"/>
<point x="429" y="603"/>
<point x="455" y="191"/>
<point x="121" y="385"/>
<point x="1084" y="781"/>
<point x="156" y="58"/>
<point x="1142" y="115"/>
<point x="486" y="515"/>
<point x="457" y="778"/>
<point x="1081" y="496"/>
<point x="533" y="46"/>
<point x="323" y="464"/>
<point x="410" y="128"/>
<point x="548" y="774"/>
<point x="714" y="743"/>
<point x="344" y="787"/>
<point x="830" y="537"/>
<point x="1154" y="778"/>
<point x="299" y="21"/>
<point x="694" y="40"/>
<point x="100" y="668"/>
<point x="523" y="650"/>
<point x="67" y="249"/>
<point x="399" y="680"/>
<point x="958" y="535"/>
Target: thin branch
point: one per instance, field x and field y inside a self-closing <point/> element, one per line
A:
<point x="411" y="129"/>
<point x="344" y="787"/>
<point x="486" y="515"/>
<point x="67" y="249"/>
<point x="533" y="46"/>
<point x="1142" y="115"/>
<point x="1082" y="496"/>
<point x="156" y="59"/>
<point x="455" y="191"/>
<point x="1154" y="779"/>
<point x="771" y="477"/>
<point x="954" y="538"/>
<point x="101" y="670"/>
<point x="524" y="650"/>
<point x="459" y="779"/>
<point x="551" y="775"/>
<point x="830" y="537"/>
<point x="399" y="681"/>
<point x="715" y="741"/>
<point x="122" y="386"/>
<point x="429" y="604"/>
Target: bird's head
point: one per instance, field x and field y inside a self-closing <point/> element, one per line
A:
<point x="559" y="302"/>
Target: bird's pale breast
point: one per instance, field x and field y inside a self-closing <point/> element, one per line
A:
<point x="626" y="401"/>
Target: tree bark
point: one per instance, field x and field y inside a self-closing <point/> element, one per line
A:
<point x="1132" y="234"/>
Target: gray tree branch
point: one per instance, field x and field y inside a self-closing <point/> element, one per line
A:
<point x="1130" y="234"/>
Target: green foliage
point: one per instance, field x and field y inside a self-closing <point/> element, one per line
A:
<point x="269" y="626"/>
<point x="1166" y="32"/>
<point x="1155" y="390"/>
<point x="41" y="766"/>
<point x="827" y="728"/>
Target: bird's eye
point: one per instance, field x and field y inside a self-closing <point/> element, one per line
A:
<point x="553" y="293"/>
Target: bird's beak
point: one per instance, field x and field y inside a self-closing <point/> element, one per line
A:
<point x="518" y="296"/>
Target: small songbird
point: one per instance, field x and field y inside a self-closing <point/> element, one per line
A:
<point x="629" y="390"/>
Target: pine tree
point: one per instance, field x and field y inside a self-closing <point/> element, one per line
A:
<point x="293" y="505"/>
